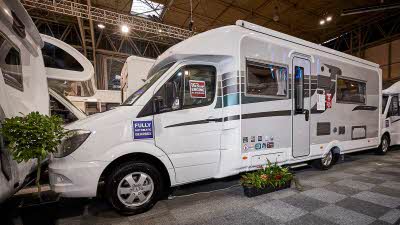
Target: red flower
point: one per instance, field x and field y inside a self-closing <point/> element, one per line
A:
<point x="278" y="177"/>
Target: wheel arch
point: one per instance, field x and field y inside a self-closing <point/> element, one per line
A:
<point x="138" y="156"/>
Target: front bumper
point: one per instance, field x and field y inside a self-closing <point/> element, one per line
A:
<point x="73" y="178"/>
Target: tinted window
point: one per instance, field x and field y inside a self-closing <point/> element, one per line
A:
<point x="56" y="108"/>
<point x="394" y="106"/>
<point x="10" y="64"/>
<point x="55" y="57"/>
<point x="350" y="91"/>
<point x="266" y="79"/>
<point x="299" y="90"/>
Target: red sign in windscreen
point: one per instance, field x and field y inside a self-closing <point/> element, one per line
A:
<point x="197" y="89"/>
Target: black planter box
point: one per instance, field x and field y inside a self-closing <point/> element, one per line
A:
<point x="251" y="191"/>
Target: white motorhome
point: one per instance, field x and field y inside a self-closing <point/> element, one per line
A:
<point x="220" y="103"/>
<point x="390" y="117"/>
<point x="133" y="74"/>
<point x="24" y="74"/>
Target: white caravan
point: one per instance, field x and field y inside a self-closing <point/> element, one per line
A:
<point x="24" y="71"/>
<point x="220" y="103"/>
<point x="390" y="117"/>
<point x="134" y="74"/>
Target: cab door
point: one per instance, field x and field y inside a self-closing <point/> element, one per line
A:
<point x="393" y="119"/>
<point x="186" y="123"/>
<point x="301" y="68"/>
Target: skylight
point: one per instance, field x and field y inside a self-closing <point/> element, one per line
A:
<point x="146" y="8"/>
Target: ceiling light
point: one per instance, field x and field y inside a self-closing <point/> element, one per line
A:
<point x="125" y="29"/>
<point x="321" y="22"/>
<point x="101" y="26"/>
<point x="329" y="18"/>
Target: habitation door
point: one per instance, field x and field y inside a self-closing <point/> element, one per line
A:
<point x="301" y="106"/>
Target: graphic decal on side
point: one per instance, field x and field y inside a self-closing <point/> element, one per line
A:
<point x="197" y="89"/>
<point x="142" y="129"/>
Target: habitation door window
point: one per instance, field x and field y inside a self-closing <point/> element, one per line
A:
<point x="350" y="91"/>
<point x="299" y="89"/>
<point x="266" y="80"/>
<point x="57" y="58"/>
<point x="10" y="64"/>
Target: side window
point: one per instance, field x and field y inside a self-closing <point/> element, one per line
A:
<point x="56" y="108"/>
<point x="57" y="58"/>
<point x="10" y="64"/>
<point x="350" y="91"/>
<point x="394" y="106"/>
<point x="299" y="89"/>
<point x="191" y="86"/>
<point x="384" y="102"/>
<point x="266" y="80"/>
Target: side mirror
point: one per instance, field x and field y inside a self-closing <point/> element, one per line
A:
<point x="176" y="105"/>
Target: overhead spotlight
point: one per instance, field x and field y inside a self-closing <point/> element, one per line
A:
<point x="275" y="17"/>
<point x="321" y="22"/>
<point x="124" y="29"/>
<point x="329" y="18"/>
<point x="159" y="30"/>
<point x="101" y="26"/>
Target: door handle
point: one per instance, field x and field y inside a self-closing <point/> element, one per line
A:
<point x="212" y="119"/>
<point x="307" y="114"/>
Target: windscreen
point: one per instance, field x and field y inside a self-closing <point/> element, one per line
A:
<point x="149" y="82"/>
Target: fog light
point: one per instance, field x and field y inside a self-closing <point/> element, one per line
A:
<point x="59" y="179"/>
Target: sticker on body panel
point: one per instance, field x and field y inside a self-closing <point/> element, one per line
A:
<point x="197" y="89"/>
<point x="142" y="129"/>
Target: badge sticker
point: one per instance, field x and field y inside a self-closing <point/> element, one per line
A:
<point x="270" y="144"/>
<point x="245" y="139"/>
<point x="245" y="147"/>
<point x="197" y="89"/>
<point x="258" y="146"/>
<point x="142" y="129"/>
<point x="264" y="146"/>
<point x="259" y="138"/>
<point x="253" y="138"/>
<point x="387" y="123"/>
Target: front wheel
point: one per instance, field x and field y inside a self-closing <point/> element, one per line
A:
<point x="134" y="187"/>
<point x="384" y="146"/>
<point x="326" y="162"/>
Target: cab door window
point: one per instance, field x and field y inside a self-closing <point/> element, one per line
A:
<point x="191" y="86"/>
<point x="10" y="64"/>
<point x="394" y="106"/>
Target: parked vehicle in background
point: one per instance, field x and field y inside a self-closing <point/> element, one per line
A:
<point x="24" y="74"/>
<point x="134" y="74"/>
<point x="390" y="118"/>
<point x="220" y="103"/>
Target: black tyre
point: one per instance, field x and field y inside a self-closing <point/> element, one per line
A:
<point x="134" y="187"/>
<point x="384" y="146"/>
<point x="326" y="162"/>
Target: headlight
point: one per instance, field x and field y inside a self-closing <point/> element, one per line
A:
<point x="71" y="143"/>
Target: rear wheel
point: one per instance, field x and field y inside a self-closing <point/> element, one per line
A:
<point x="134" y="187"/>
<point x="384" y="146"/>
<point x="326" y="162"/>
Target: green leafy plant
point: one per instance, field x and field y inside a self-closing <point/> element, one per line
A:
<point x="33" y="136"/>
<point x="270" y="175"/>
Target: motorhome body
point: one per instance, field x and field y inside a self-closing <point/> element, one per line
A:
<point x="24" y="74"/>
<point x="391" y="116"/>
<point x="220" y="103"/>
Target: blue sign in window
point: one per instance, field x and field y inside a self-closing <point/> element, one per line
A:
<point x="142" y="129"/>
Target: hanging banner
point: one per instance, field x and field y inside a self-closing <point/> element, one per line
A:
<point x="197" y="89"/>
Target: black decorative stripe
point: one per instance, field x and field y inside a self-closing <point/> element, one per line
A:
<point x="365" y="107"/>
<point x="236" y="117"/>
<point x="394" y="121"/>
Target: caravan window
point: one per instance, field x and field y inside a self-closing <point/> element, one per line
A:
<point x="57" y="58"/>
<point x="266" y="80"/>
<point x="10" y="64"/>
<point x="350" y="91"/>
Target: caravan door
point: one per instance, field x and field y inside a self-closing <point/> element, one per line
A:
<point x="301" y="84"/>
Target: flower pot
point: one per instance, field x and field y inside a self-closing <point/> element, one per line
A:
<point x="252" y="191"/>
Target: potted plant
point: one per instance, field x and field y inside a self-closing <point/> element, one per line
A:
<point x="269" y="178"/>
<point x="33" y="136"/>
